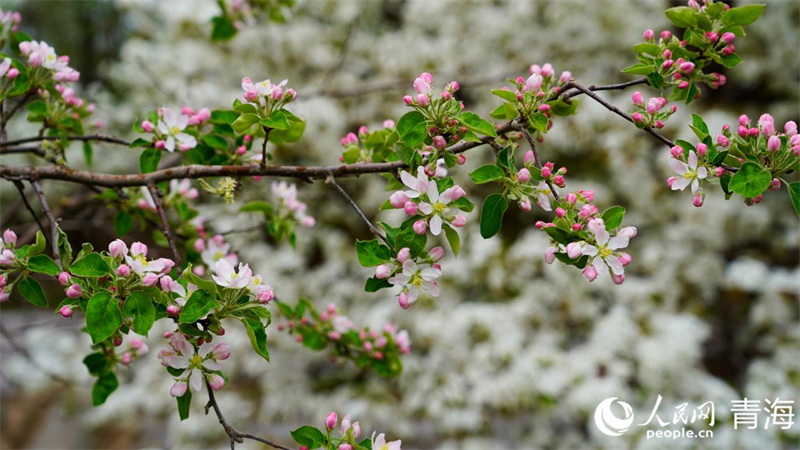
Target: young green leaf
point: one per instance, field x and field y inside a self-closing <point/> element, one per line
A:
<point x="376" y="284"/>
<point x="750" y="180"/>
<point x="256" y="333"/>
<point x="474" y="123"/>
<point x="91" y="266"/>
<point x="308" y="436"/>
<point x="43" y="264"/>
<point x="244" y="122"/>
<point x="613" y="217"/>
<point x="31" y="291"/>
<point x="494" y="207"/>
<point x="102" y="317"/>
<point x="743" y="15"/>
<point x="140" y="306"/>
<point x="184" y="404"/>
<point x="105" y="385"/>
<point x="794" y="194"/>
<point x="197" y="307"/>
<point x="149" y="159"/>
<point x="372" y="253"/>
<point x="453" y="238"/>
<point x="487" y="173"/>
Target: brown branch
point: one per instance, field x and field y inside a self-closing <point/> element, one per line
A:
<point x="234" y="434"/>
<point x="332" y="181"/>
<point x="21" y="189"/>
<point x="538" y="163"/>
<point x="156" y="194"/>
<point x="606" y="87"/>
<point x="88" y="137"/>
<point x="53" y="224"/>
<point x="619" y="112"/>
<point x="264" y="146"/>
<point x="202" y="171"/>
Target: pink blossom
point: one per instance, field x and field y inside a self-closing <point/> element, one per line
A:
<point x="420" y="227"/>
<point x="459" y="221"/>
<point x="436" y="253"/>
<point x="330" y="420"/>
<point x="150" y="279"/>
<point x="410" y="208"/>
<point x="550" y="255"/>
<point x="74" y="291"/>
<point x="66" y="311"/>
<point x="774" y="143"/>
<point x="649" y="35"/>
<point x="63" y="278"/>
<point x="403" y="255"/>
<point x="399" y="199"/>
<point x="728" y="37"/>
<point x="590" y="273"/>
<point x="383" y="271"/>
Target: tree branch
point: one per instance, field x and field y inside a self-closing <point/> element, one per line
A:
<point x="53" y="224"/>
<point x="88" y="137"/>
<point x="264" y="146"/>
<point x="332" y="181"/>
<point x="607" y="87"/>
<point x="539" y="162"/>
<point x="156" y="194"/>
<point x="21" y="188"/>
<point x="234" y="434"/>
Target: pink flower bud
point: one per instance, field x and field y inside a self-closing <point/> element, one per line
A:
<point x="117" y="249"/>
<point x="618" y="279"/>
<point x="525" y="205"/>
<point x="63" y="278"/>
<point x="399" y="199"/>
<point x="722" y="140"/>
<point x="702" y="149"/>
<point x="446" y="95"/>
<point x="126" y="358"/>
<point x="728" y="37"/>
<point x="666" y="35"/>
<point x="790" y="128"/>
<point x="221" y="351"/>
<point x="775" y="184"/>
<point x="638" y="117"/>
<point x="330" y="421"/>
<point x="423" y="100"/>
<point x="362" y="130"/>
<point x="408" y="100"/>
<point x="625" y="259"/>
<point x="774" y="143"/>
<point x="590" y="273"/>
<point x="719" y="171"/>
<point x="74" y="291"/>
<point x="150" y="279"/>
<point x="66" y="311"/>
<point x="683" y="85"/>
<point x="539" y="224"/>
<point x="308" y="221"/>
<point x="459" y="221"/>
<point x="165" y="283"/>
<point x="178" y="389"/>
<point x="753" y="132"/>
<point x="574" y="249"/>
<point x="216" y="381"/>
<point x="560" y="212"/>
<point x="698" y="200"/>
<point x="403" y="255"/>
<point x="550" y="255"/>
<point x="123" y="270"/>
<point x="410" y="208"/>
<point x="173" y="310"/>
<point x="529" y="157"/>
<point x="137" y="248"/>
<point x="402" y="299"/>
<point x="649" y="35"/>
<point x="524" y="175"/>
<point x="420" y="227"/>
<point x="577" y="227"/>
<point x="687" y="67"/>
<point x="565" y="76"/>
<point x="559" y="180"/>
<point x="544" y="108"/>
<point x="587" y="194"/>
<point x="439" y="142"/>
<point x="9" y="238"/>
<point x="382" y="272"/>
<point x="436" y="253"/>
<point x="546" y="172"/>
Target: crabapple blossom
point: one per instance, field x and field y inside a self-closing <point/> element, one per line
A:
<point x="226" y="276"/>
<point x="689" y="173"/>
<point x="170" y="127"/>
<point x="415" y="278"/>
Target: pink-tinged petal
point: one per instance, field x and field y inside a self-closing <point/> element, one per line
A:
<point x="409" y="180"/>
<point x="413" y="294"/>
<point x="680" y="184"/>
<point x="695" y="185"/>
<point x="702" y="172"/>
<point x="412" y="194"/>
<point x="177" y="362"/>
<point x="398" y="280"/>
<point x="615" y="264"/>
<point x="394" y="445"/>
<point x="409" y="268"/>
<point x="436" y="225"/>
<point x="433" y="192"/>
<point x="224" y="269"/>
<point x="544" y="202"/>
<point x="430" y="274"/>
<point x="679" y="167"/>
<point x="589" y="249"/>
<point x="447" y="196"/>
<point x="182" y="121"/>
<point x="692" y="160"/>
<point x="210" y="364"/>
<point x="196" y="380"/>
<point x="431" y="287"/>
<point x="219" y="280"/>
<point x="600" y="266"/>
<point x="618" y="241"/>
<point x="425" y="207"/>
<point x="602" y="236"/>
<point x="168" y="116"/>
<point x="170" y="144"/>
<point x="205" y="349"/>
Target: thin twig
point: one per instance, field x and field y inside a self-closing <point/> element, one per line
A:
<point x="538" y="163"/>
<point x="332" y="181"/>
<point x="234" y="434"/>
<point x="21" y="189"/>
<point x="264" y="146"/>
<point x="53" y="223"/>
<point x="88" y="137"/>
<point x="156" y="194"/>
<point x="22" y="351"/>
<point x="607" y="87"/>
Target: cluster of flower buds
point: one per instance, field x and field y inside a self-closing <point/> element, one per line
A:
<point x="193" y="364"/>
<point x="171" y="129"/>
<point x="136" y="349"/>
<point x="534" y="183"/>
<point x="7" y="262"/>
<point x="41" y="55"/>
<point x="532" y="94"/>
<point x="148" y="272"/>
<point x="9" y="23"/>
<point x="651" y="114"/>
<point x="369" y="146"/>
<point x="424" y="200"/>
<point x="266" y="96"/>
<point x="348" y="436"/>
<point x="289" y="207"/>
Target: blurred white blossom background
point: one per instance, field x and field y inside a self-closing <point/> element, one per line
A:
<point x="515" y="353"/>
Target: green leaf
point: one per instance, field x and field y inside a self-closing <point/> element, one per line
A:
<point x="222" y="29"/>
<point x="256" y="333"/>
<point x="492" y="212"/>
<point x="123" y="222"/>
<point x="474" y="123"/>
<point x="198" y="305"/>
<point x="244" y="108"/>
<point x="43" y="264"/>
<point x="562" y="109"/>
<point x="743" y="15"/>
<point x="561" y="235"/>
<point x="105" y="385"/>
<point x="655" y="80"/>
<point x="140" y="306"/>
<point x="308" y="436"/>
<point x="613" y="217"/>
<point x="487" y="173"/>
<point x="96" y="363"/>
<point x="214" y="141"/>
<point x="64" y="249"/>
<point x="258" y="206"/>
<point x="750" y="180"/>
<point x="102" y="317"/>
<point x="731" y="60"/>
<point x="276" y="120"/>
<point x="453" y="238"/>
<point x="505" y="95"/>
<point x="464" y="204"/>
<point x="149" y="159"/>
<point x="639" y="69"/>
<point x="206" y="285"/>
<point x="184" y="404"/>
<point x="39" y="245"/>
<point x="652" y="49"/>
<point x="794" y="194"/>
<point x="412" y="128"/>
<point x="139" y="142"/>
<point x="31" y="291"/>
<point x="681" y="16"/>
<point x="376" y="284"/>
<point x="91" y="266"/>
<point x="538" y="122"/>
<point x="244" y="122"/>
<point x="372" y="253"/>
<point x="415" y="242"/>
<point x="295" y="132"/>
<point x="226" y="117"/>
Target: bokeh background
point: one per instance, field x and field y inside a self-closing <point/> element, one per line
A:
<point x="515" y="354"/>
